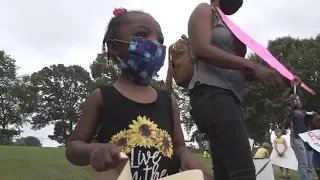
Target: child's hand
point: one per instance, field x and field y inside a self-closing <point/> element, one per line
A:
<point x="189" y="161"/>
<point x="105" y="158"/>
<point x="280" y="154"/>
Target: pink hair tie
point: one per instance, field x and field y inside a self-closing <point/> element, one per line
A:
<point x="118" y="11"/>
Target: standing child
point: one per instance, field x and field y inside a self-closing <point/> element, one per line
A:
<point x="134" y="118"/>
<point x="312" y="121"/>
<point x="206" y="152"/>
<point x="262" y="152"/>
<point x="281" y="146"/>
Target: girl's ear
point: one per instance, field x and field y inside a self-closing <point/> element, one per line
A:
<point x="112" y="49"/>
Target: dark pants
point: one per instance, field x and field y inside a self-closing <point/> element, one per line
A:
<point x="218" y="113"/>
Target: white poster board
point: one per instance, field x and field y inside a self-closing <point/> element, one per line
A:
<point x="288" y="160"/>
<point x="123" y="172"/>
<point x="251" y="141"/>
<point x="313" y="138"/>
<point x="267" y="173"/>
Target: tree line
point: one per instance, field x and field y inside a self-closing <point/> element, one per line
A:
<point x="55" y="94"/>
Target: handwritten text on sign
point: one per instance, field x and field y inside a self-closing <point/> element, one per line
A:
<point x="313" y="138"/>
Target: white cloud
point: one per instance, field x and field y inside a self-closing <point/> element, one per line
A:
<point x="40" y="33"/>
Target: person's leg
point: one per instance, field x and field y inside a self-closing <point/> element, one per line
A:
<point x="219" y="170"/>
<point x="281" y="169"/>
<point x="288" y="172"/>
<point x="310" y="164"/>
<point x="221" y="118"/>
<point x="317" y="172"/>
<point x="300" y="152"/>
<point x="282" y="172"/>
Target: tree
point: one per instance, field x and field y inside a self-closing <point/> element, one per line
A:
<point x="28" y="141"/>
<point x="16" y="99"/>
<point x="61" y="93"/>
<point x="181" y="95"/>
<point x="264" y="107"/>
<point x="101" y="73"/>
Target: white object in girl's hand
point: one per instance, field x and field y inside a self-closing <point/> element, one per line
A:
<point x="288" y="160"/>
<point x="123" y="172"/>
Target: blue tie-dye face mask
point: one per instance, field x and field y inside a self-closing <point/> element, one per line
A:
<point x="144" y="59"/>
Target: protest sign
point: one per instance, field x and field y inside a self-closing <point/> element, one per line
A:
<point x="251" y="141"/>
<point x="288" y="160"/>
<point x="313" y="138"/>
<point x="265" y="169"/>
<point x="123" y="172"/>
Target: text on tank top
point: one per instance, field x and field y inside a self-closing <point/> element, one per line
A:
<point x="142" y="131"/>
<point x="209" y="74"/>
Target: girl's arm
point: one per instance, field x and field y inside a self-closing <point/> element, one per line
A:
<point x="79" y="149"/>
<point x="188" y="160"/>
<point x="275" y="145"/>
<point x="285" y="145"/>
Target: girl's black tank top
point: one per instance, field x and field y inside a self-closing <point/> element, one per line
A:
<point x="142" y="131"/>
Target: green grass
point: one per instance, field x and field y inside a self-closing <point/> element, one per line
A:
<point x="31" y="163"/>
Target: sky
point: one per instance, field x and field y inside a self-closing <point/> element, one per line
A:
<point x="40" y="33"/>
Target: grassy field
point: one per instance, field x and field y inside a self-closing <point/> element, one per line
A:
<point x="28" y="163"/>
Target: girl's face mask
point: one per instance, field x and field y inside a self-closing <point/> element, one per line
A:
<point x="144" y="59"/>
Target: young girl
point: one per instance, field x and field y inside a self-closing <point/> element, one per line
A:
<point x="262" y="152"/>
<point x="312" y="121"/>
<point x="134" y="118"/>
<point x="206" y="152"/>
<point x="281" y="146"/>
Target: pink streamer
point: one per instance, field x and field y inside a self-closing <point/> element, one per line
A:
<point x="260" y="50"/>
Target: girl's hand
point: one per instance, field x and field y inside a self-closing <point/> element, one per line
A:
<point x="189" y="161"/>
<point x="105" y="158"/>
<point x="280" y="154"/>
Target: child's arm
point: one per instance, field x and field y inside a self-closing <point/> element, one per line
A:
<point x="275" y="145"/>
<point x="79" y="149"/>
<point x="285" y="145"/>
<point x="267" y="153"/>
<point x="188" y="160"/>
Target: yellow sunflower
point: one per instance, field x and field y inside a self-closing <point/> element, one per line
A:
<point x="143" y="132"/>
<point x="164" y="144"/>
<point x="121" y="140"/>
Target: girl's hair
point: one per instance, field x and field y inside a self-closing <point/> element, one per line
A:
<point x="111" y="33"/>
<point x="278" y="130"/>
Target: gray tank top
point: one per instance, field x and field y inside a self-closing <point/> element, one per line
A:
<point x="209" y="74"/>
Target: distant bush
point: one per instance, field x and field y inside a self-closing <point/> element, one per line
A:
<point x="28" y="141"/>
